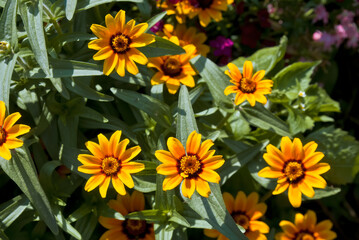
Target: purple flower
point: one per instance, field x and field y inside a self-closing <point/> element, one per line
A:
<point x="157" y="27"/>
<point x="327" y="39"/>
<point x="222" y="45"/>
<point x="340" y="34"/>
<point x="346" y="17"/>
<point x="321" y="14"/>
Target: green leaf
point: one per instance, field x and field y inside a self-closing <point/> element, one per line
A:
<point x="260" y="117"/>
<point x="70" y="8"/>
<point x="162" y="233"/>
<point x="156" y="109"/>
<point x="161" y="47"/>
<point x="21" y="170"/>
<point x="215" y="78"/>
<point x="87" y="4"/>
<point x="298" y="121"/>
<point x="178" y="218"/>
<point x="31" y="14"/>
<point x="59" y="86"/>
<point x="79" y="213"/>
<point x="341" y="153"/>
<point x="186" y="123"/>
<point x="149" y="215"/>
<point x="155" y="19"/>
<point x="86" y="226"/>
<point x="8" y="30"/>
<point x="7" y="65"/>
<point x="322" y="193"/>
<point x="66" y="38"/>
<point x="144" y="183"/>
<point x="11" y="210"/>
<point x="294" y="78"/>
<point x="89" y="113"/>
<point x="65" y="225"/>
<point x="254" y="167"/>
<point x="150" y="168"/>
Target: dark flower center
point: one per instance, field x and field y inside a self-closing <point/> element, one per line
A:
<point x="247" y="85"/>
<point x="3" y="136"/>
<point x="241" y="219"/>
<point x="136" y="229"/>
<point x="110" y="165"/>
<point x="172" y="67"/>
<point x="201" y="3"/>
<point x="304" y="235"/>
<point x="189" y="166"/>
<point x="294" y="170"/>
<point x="120" y="43"/>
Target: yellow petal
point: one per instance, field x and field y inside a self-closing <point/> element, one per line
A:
<point x="252" y="200"/>
<point x="188" y="187"/>
<point x="118" y="185"/>
<point x="130" y="153"/>
<point x="104" y="53"/>
<point x="251" y="99"/>
<point x="269" y="172"/>
<point x="306" y="189"/>
<point x="110" y="64"/>
<point x="310" y="148"/>
<point x="172" y="85"/>
<point x="240" y="201"/>
<point x="138" y="30"/>
<point x="11" y="120"/>
<point x="247" y="69"/>
<point x="128" y="27"/>
<point x="230" y="89"/>
<point x="281" y="187"/>
<point x="133" y="167"/>
<point x="165" y="157"/>
<point x="104" y="186"/>
<point x="115" y="233"/>
<point x="209" y="175"/>
<point x="258" y="211"/>
<point x="312" y="159"/>
<point x="103" y="142"/>
<point x="115" y="138"/>
<point x="121" y="148"/>
<point x="258" y="76"/>
<point x="202" y="187"/>
<point x="2" y="112"/>
<point x="99" y="31"/>
<point x="90" y="169"/>
<point x="17" y="130"/>
<point x="142" y="40"/>
<point x="120" y="20"/>
<point x="310" y="220"/>
<point x="190" y="51"/>
<point x="204" y="19"/>
<point x="297" y="149"/>
<point x="12" y="143"/>
<point x="5" y="152"/>
<point x="273" y="161"/>
<point x="288" y="227"/>
<point x="110" y="23"/>
<point x="294" y="195"/>
<point x="188" y="80"/>
<point x="137" y="201"/>
<point x="229" y="201"/>
<point x="240" y="97"/>
<point x="193" y="143"/>
<point x="131" y="65"/>
<point x="315" y="180"/>
<point x="126" y="178"/>
<point x="323" y="226"/>
<point x="94" y="181"/>
<point x="212" y="233"/>
<point x="259" y="226"/>
<point x="213" y="162"/>
<point x="205" y="146"/>
<point x="167" y="169"/>
<point x="171" y="182"/>
<point x="137" y="56"/>
<point x="176" y="148"/>
<point x="97" y="44"/>
<point x="120" y="68"/>
<point x="95" y="149"/>
<point x="286" y="147"/>
<point x="110" y="222"/>
<point x="319" y="168"/>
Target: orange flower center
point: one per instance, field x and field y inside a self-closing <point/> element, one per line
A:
<point x="294" y="170"/>
<point x="241" y="219"/>
<point x="135" y="229"/>
<point x="247" y="85"/>
<point x="189" y="166"/>
<point x="110" y="165"/>
<point x="120" y="43"/>
<point x="2" y="136"/>
<point x="304" y="236"/>
<point x="172" y="66"/>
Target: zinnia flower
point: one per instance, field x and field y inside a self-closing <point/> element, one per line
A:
<point x="296" y="168"/>
<point x="180" y="8"/>
<point x="222" y="45"/>
<point x="110" y="160"/>
<point x="118" y="42"/>
<point x="194" y="166"/>
<point x="306" y="228"/>
<point x="245" y="211"/>
<point x="128" y="229"/>
<point x="249" y="87"/>
<point x="208" y="9"/>
<point x="187" y="36"/>
<point x="9" y="132"/>
<point x="174" y="70"/>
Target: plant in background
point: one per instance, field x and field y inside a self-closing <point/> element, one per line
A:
<point x="118" y="43"/>
<point x="110" y="161"/>
<point x="296" y="168"/>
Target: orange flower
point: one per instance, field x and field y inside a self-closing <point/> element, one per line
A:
<point x="296" y="168"/>
<point x="174" y="70"/>
<point x="194" y="166"/>
<point x="118" y="42"/>
<point x="249" y="87"/>
<point x="208" y="9"/>
<point x="128" y="229"/>
<point x="9" y="132"/>
<point x="306" y="228"/>
<point x="110" y="160"/>
<point x="245" y="211"/>
<point x="187" y="36"/>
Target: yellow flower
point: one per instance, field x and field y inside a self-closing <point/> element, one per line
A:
<point x="118" y="42"/>
<point x="194" y="166"/>
<point x="296" y="168"/>
<point x="245" y="211"/>
<point x="249" y="87"/>
<point x="174" y="70"/>
<point x="306" y="228"/>
<point x="207" y="9"/>
<point x="9" y="132"/>
<point x="110" y="160"/>
<point x="180" y="8"/>
<point x="128" y="229"/>
<point x="187" y="36"/>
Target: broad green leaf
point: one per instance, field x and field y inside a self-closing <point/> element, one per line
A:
<point x="178" y="218"/>
<point x="87" y="4"/>
<point x="322" y="193"/>
<point x="151" y="22"/>
<point x="341" y="152"/>
<point x="89" y="113"/>
<point x="144" y="183"/>
<point x="254" y="167"/>
<point x="21" y="170"/>
<point x="298" y="121"/>
<point x="161" y="47"/>
<point x="186" y="123"/>
<point x="7" y="65"/>
<point x="294" y="78"/>
<point x="260" y="117"/>
<point x="8" y="30"/>
<point x="31" y="14"/>
<point x="145" y="8"/>
<point x="65" y="38"/>
<point x="215" y="78"/>
<point x="149" y="215"/>
<point x="265" y="58"/>
<point x="11" y="210"/>
<point x="162" y="233"/>
<point x="70" y="8"/>
<point x="317" y="100"/>
<point x="156" y="109"/>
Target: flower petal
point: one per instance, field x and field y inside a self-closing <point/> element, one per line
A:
<point x="230" y="89"/>
<point x="120" y="20"/>
<point x="247" y="69"/>
<point x="104" y="186"/>
<point x="202" y="187"/>
<point x="132" y="167"/>
<point x="213" y="162"/>
<point x="240" y="202"/>
<point x="104" y="53"/>
<point x="172" y="181"/>
<point x="113" y="143"/>
<point x="172" y="85"/>
<point x="286" y="147"/>
<point x="118" y="185"/>
<point x="289" y="228"/>
<point x="110" y="64"/>
<point x="165" y="157"/>
<point x="269" y="172"/>
<point x="188" y="187"/>
<point x="143" y="40"/>
<point x="120" y="68"/>
<point x="138" y="30"/>
<point x="17" y="130"/>
<point x="209" y="175"/>
<point x="319" y="168"/>
<point x="258" y="76"/>
<point x="297" y="149"/>
<point x="295" y="195"/>
<point x="188" y="80"/>
<point x="99" y="31"/>
<point x="5" y="152"/>
<point x="130" y="153"/>
<point x="137" y="56"/>
<point x="130" y="65"/>
<point x="110" y="223"/>
<point x="306" y="189"/>
<point x="193" y="143"/>
<point x="273" y="161"/>
<point x="229" y="201"/>
<point x="2" y="112"/>
<point x="12" y="143"/>
<point x="115" y="233"/>
<point x="251" y="99"/>
<point x="176" y="148"/>
<point x="240" y="98"/>
<point x="205" y="146"/>
<point x="310" y="148"/>
<point x="312" y="159"/>
<point x="315" y="180"/>
<point x="103" y="142"/>
<point x="252" y="201"/>
<point x="137" y="202"/>
<point x="281" y="187"/>
<point x="259" y="226"/>
<point x="110" y="23"/>
<point x="90" y="169"/>
<point x="94" y="181"/>
<point x="11" y="120"/>
<point x="126" y="178"/>
<point x="167" y="169"/>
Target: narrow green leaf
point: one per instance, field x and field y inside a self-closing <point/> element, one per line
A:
<point x="144" y="183"/>
<point x="89" y="113"/>
<point x="162" y="233"/>
<point x="145" y="8"/>
<point x="215" y="78"/>
<point x="179" y="219"/>
<point x="7" y="65"/>
<point x="70" y="8"/>
<point x="79" y="213"/>
<point x="66" y="38"/>
<point x="156" y="109"/>
<point x="161" y="47"/>
<point x="155" y="19"/>
<point x="12" y="209"/>
<point x="3" y="235"/>
<point x="8" y="30"/>
<point x="149" y="215"/>
<point x="87" y="4"/>
<point x="322" y="193"/>
<point x="86" y="226"/>
<point x="65" y="225"/>
<point x="59" y="86"/>
<point x="21" y="170"/>
<point x="186" y="123"/>
<point x="31" y="14"/>
<point x="260" y="117"/>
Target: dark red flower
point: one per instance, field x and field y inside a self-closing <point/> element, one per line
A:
<point x="250" y="35"/>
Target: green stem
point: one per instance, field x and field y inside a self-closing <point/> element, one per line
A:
<point x="224" y="120"/>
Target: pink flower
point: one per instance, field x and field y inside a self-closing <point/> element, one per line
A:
<point x="340" y="34"/>
<point x="346" y="17"/>
<point x="327" y="39"/>
<point x="271" y="9"/>
<point x="353" y="42"/>
<point x="157" y="27"/>
<point x="321" y="14"/>
<point x="317" y="35"/>
<point x="222" y="45"/>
